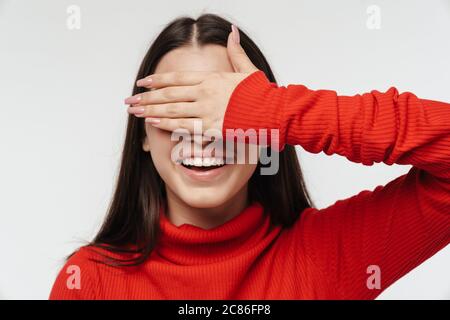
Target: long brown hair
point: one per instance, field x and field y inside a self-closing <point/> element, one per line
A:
<point x="133" y="215"/>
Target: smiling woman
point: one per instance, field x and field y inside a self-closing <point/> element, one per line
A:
<point x="196" y="229"/>
<point x="150" y="185"/>
<point x="203" y="197"/>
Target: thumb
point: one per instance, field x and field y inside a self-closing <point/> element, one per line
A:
<point x="239" y="59"/>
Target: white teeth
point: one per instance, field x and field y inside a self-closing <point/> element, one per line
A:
<point x="198" y="162"/>
<point x="203" y="162"/>
<point x="207" y="162"/>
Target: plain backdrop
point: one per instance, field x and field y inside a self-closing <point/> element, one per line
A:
<point x="62" y="117"/>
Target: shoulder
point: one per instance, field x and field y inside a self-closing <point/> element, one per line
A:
<point x="79" y="277"/>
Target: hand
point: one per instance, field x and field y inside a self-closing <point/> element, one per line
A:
<point x="180" y="98"/>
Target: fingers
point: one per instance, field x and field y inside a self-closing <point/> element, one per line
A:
<point x="164" y="95"/>
<point x="168" y="110"/>
<point x="239" y="59"/>
<point x="170" y="79"/>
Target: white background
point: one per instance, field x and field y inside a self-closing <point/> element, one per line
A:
<point x="62" y="117"/>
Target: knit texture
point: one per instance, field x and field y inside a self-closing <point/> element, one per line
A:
<point x="328" y="253"/>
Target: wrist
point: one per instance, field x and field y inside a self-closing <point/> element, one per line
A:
<point x="253" y="114"/>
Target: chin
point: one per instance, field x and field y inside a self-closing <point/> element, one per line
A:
<point x="204" y="198"/>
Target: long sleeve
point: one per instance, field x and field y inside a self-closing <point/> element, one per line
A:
<point x="393" y="228"/>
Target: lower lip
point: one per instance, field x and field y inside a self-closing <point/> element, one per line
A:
<point x="205" y="176"/>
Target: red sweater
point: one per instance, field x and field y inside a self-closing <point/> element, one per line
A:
<point x="328" y="253"/>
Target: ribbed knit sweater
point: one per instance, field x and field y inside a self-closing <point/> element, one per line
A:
<point x="330" y="253"/>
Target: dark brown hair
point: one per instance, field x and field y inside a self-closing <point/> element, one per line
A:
<point x="131" y="225"/>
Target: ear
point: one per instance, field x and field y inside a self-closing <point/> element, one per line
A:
<point x="146" y="144"/>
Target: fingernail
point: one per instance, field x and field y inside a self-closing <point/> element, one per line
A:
<point x="152" y="120"/>
<point x="235" y="31"/>
<point x="133" y="99"/>
<point x="144" y="82"/>
<point x="136" y="110"/>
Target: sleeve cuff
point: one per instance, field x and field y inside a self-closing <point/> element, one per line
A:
<point x="253" y="113"/>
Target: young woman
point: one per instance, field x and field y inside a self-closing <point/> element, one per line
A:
<point x="196" y="229"/>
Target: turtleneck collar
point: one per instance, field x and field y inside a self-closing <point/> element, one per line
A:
<point x="188" y="244"/>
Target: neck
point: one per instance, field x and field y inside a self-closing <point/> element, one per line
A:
<point x="179" y="212"/>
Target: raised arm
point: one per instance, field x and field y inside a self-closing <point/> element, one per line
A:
<point x="393" y="228"/>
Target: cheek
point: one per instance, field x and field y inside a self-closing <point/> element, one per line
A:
<point x="240" y="174"/>
<point x="160" y="149"/>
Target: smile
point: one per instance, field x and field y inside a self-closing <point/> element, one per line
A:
<point x="202" y="168"/>
<point x="198" y="162"/>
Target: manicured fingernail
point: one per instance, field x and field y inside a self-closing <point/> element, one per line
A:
<point x="235" y="31"/>
<point x="152" y="120"/>
<point x="146" y="82"/>
<point x="133" y="99"/>
<point x="136" y="110"/>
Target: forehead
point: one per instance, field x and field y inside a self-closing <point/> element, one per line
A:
<point x="195" y="58"/>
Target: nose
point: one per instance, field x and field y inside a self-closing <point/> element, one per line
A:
<point x="201" y="142"/>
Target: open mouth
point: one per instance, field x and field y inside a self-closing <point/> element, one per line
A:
<point x="202" y="164"/>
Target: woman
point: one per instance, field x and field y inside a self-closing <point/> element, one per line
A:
<point x="189" y="228"/>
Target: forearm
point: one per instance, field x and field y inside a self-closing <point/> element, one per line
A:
<point x="373" y="127"/>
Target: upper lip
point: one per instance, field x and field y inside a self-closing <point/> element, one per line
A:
<point x="198" y="151"/>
